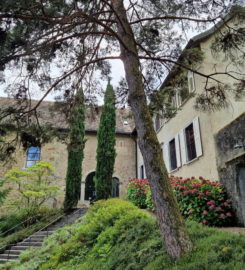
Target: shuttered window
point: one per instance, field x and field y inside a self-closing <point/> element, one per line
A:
<point x="190" y="141"/>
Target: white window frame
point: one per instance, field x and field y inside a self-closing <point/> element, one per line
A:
<point x="197" y="138"/>
<point x="166" y="153"/>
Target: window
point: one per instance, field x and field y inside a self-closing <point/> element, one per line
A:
<point x="191" y="82"/>
<point x="157" y="122"/>
<point x="172" y="154"/>
<point x="142" y="172"/>
<point x="33" y="155"/>
<point x="190" y="142"/>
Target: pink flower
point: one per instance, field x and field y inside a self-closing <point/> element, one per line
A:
<point x="222" y="215"/>
<point x="205" y="212"/>
<point x="190" y="211"/>
<point x="211" y="207"/>
<point x="208" y="193"/>
<point x="228" y="214"/>
<point x="204" y="221"/>
<point x="201" y="194"/>
<point x="219" y="209"/>
<point x="200" y="178"/>
<point x="212" y="202"/>
<point x="193" y="177"/>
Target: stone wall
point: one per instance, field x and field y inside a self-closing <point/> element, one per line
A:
<point x="231" y="163"/>
<point x="56" y="153"/>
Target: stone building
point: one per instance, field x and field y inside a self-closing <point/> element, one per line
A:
<point x="56" y="151"/>
<point x="210" y="144"/>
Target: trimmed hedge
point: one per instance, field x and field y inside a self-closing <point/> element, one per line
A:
<point x="116" y="235"/>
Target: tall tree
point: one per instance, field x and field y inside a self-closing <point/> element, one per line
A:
<point x="75" y="152"/>
<point x="78" y="37"/>
<point x="106" y="152"/>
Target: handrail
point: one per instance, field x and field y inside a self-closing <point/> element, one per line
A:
<point x="17" y="225"/>
<point x="42" y="229"/>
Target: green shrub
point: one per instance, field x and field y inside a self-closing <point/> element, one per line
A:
<point x="116" y="235"/>
<point x="199" y="199"/>
<point x="34" y="186"/>
<point x="203" y="201"/>
<point x="137" y="190"/>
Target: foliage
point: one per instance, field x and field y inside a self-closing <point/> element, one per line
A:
<point x="116" y="235"/>
<point x="106" y="153"/>
<point x="137" y="190"/>
<point x="3" y="192"/>
<point x="203" y="201"/>
<point x="75" y="153"/>
<point x="29" y="224"/>
<point x="33" y="185"/>
<point x="199" y="199"/>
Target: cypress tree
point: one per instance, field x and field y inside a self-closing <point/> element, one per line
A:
<point x="106" y="146"/>
<point x="75" y="153"/>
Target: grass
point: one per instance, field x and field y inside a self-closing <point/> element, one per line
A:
<point x="116" y="235"/>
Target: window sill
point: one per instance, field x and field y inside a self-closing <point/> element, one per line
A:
<point x="193" y="160"/>
<point x="175" y="170"/>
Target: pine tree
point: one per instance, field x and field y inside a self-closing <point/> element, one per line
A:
<point x="75" y="153"/>
<point x="106" y="146"/>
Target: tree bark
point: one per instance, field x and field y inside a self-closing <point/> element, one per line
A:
<point x="170" y="221"/>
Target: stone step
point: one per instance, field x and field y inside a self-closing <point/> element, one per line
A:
<point x="8" y="256"/>
<point x="36" y="237"/>
<point x="5" y="260"/>
<point x="29" y="244"/>
<point x="21" y="248"/>
<point x="45" y="233"/>
<point x="12" y="251"/>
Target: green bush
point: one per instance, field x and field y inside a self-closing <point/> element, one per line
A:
<point x="199" y="199"/>
<point x="203" y="201"/>
<point x="43" y="217"/>
<point x="23" y="219"/>
<point x="34" y="186"/>
<point x="116" y="235"/>
<point x="137" y="190"/>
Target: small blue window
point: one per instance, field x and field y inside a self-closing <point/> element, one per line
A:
<point x="33" y="155"/>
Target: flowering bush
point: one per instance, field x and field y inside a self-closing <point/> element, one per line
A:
<point x="137" y="191"/>
<point x="203" y="201"/>
<point x="199" y="199"/>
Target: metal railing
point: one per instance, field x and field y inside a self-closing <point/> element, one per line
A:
<point x="45" y="228"/>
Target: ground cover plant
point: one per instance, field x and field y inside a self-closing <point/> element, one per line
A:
<point x="199" y="199"/>
<point x="115" y="234"/>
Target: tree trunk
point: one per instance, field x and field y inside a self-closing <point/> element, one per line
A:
<point x="170" y="221"/>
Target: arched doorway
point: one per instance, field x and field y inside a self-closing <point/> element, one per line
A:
<point x="89" y="187"/>
<point x="115" y="187"/>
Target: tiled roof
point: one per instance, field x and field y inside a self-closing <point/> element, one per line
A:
<point x="47" y="114"/>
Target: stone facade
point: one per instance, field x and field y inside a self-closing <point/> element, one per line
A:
<point x="230" y="145"/>
<point x="56" y="152"/>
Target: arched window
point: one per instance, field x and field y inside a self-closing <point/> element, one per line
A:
<point x="115" y="187"/>
<point x="89" y="187"/>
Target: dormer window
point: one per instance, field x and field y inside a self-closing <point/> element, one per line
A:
<point x="191" y="82"/>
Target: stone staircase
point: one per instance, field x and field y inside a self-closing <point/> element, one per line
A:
<point x="35" y="240"/>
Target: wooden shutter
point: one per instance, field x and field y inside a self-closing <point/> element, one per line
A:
<point x="197" y="136"/>
<point x="183" y="146"/>
<point x="166" y="155"/>
<point x="177" y="150"/>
